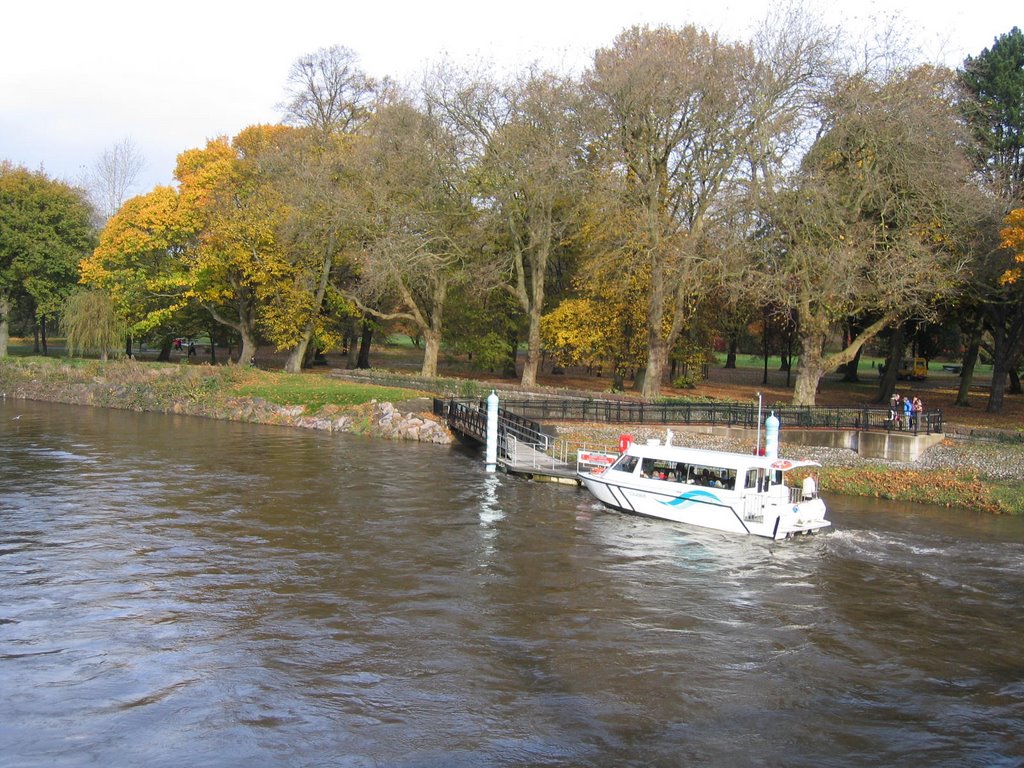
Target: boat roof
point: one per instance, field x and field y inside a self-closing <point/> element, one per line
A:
<point x="728" y="459"/>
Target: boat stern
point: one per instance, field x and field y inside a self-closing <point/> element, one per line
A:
<point x="803" y="517"/>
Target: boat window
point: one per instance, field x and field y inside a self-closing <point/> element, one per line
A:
<point x="626" y="463"/>
<point x="751" y="481"/>
<point x="714" y="477"/>
<point x="657" y="469"/>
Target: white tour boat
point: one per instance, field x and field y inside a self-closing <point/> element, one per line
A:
<point x="732" y="492"/>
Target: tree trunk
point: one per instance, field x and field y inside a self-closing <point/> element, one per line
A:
<point x="730" y="357"/>
<point x="814" y="363"/>
<point x="967" y="365"/>
<point x="249" y="346"/>
<point x="850" y="369"/>
<point x="363" y="360"/>
<point x="42" y="332"/>
<point x="431" y="350"/>
<point x="532" y="364"/>
<point x="657" y="363"/>
<point x="432" y="331"/>
<point x="297" y="354"/>
<point x="165" y="350"/>
<point x="887" y="385"/>
<point x="1008" y="341"/>
<point x="808" y="375"/>
<point x="1000" y="369"/>
<point x="810" y="369"/>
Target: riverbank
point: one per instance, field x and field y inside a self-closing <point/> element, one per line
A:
<point x="224" y="392"/>
<point x="969" y="473"/>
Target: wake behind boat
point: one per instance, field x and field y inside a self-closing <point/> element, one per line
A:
<point x="725" y="491"/>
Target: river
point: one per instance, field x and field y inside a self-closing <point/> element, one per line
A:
<point x="182" y="592"/>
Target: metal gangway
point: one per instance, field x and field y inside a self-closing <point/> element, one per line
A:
<point x="523" y="446"/>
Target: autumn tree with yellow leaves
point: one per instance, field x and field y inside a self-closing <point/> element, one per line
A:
<point x="139" y="261"/>
<point x="1013" y="239"/>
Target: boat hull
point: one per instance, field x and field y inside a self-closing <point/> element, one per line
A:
<point x="751" y="514"/>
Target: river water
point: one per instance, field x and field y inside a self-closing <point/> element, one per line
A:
<point x="176" y="591"/>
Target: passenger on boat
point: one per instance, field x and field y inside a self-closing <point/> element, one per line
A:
<point x="810" y="487"/>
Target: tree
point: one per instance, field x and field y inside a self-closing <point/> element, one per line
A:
<point x="690" y="122"/>
<point x="139" y="262"/>
<point x="876" y="223"/>
<point x="332" y="99"/>
<point x="424" y="229"/>
<point x="527" y="146"/>
<point x="995" y="80"/>
<point x="91" y="323"/>
<point x="113" y="176"/>
<point x="325" y="200"/>
<point x="1004" y="307"/>
<point x="328" y="92"/>
<point x="45" y="228"/>
<point x="229" y="200"/>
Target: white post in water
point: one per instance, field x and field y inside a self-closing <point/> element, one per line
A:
<point x="771" y="436"/>
<point x="491" y="455"/>
<point x="757" y="442"/>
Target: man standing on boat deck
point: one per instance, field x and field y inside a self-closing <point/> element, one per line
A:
<point x="810" y="487"/>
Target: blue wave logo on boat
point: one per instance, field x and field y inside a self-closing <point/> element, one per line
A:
<point x="693" y="497"/>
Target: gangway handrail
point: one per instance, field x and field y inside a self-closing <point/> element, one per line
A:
<point x="860" y="418"/>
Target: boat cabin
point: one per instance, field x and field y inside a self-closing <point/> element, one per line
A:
<point x="710" y="469"/>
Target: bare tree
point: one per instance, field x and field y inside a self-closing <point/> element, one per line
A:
<point x="113" y="177"/>
<point x="327" y="91"/>
<point x="877" y="220"/>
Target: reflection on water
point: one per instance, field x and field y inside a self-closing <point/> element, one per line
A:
<point x="180" y="591"/>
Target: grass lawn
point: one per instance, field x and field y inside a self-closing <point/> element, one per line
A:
<point x="314" y="392"/>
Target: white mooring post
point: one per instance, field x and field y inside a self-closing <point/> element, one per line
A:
<point x="771" y="436"/>
<point x="491" y="455"/>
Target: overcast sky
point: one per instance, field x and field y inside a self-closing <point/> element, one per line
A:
<point x="78" y="77"/>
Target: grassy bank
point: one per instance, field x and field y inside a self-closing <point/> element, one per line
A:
<point x="214" y="391"/>
<point x="928" y="486"/>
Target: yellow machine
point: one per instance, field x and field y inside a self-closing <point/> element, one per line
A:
<point x="913" y="368"/>
<point x="910" y="368"/>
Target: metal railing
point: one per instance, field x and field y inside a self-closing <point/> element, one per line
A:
<point x="470" y="418"/>
<point x="728" y="414"/>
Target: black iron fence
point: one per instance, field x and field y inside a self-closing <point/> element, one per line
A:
<point x="470" y="418"/>
<point x="727" y="414"/>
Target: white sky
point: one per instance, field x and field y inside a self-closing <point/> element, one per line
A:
<point x="78" y="77"/>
